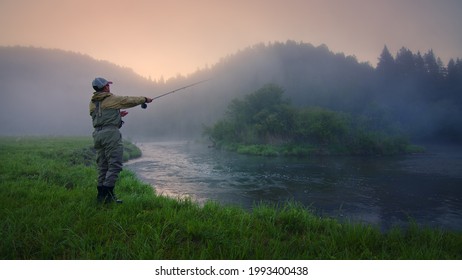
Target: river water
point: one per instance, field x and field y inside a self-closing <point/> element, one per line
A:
<point x="383" y="191"/>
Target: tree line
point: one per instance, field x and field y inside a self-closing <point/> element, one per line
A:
<point x="413" y="91"/>
<point x="421" y="92"/>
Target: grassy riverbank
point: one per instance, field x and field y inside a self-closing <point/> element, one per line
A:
<point x="48" y="211"/>
<point x="294" y="150"/>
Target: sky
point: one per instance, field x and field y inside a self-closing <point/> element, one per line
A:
<point x="166" y="38"/>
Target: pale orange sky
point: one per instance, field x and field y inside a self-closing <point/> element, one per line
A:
<point x="169" y="37"/>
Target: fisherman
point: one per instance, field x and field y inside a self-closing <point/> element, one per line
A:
<point x="107" y="119"/>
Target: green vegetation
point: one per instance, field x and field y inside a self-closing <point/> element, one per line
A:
<point x="130" y="151"/>
<point x="264" y="123"/>
<point x="48" y="211"/>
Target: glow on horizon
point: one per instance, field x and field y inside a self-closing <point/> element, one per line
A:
<point x="163" y="38"/>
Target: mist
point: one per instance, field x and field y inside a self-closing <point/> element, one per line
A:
<point x="46" y="92"/>
<point x="417" y="93"/>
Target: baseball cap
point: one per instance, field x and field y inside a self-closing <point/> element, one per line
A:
<point x="100" y="82"/>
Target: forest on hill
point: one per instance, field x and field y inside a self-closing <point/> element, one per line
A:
<point x="413" y="91"/>
<point x="416" y="92"/>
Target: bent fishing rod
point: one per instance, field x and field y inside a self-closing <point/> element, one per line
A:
<point x="144" y="105"/>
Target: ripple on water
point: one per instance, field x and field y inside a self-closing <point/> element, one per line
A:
<point x="382" y="191"/>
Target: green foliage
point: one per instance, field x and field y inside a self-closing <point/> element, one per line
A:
<point x="263" y="116"/>
<point x="264" y="123"/>
<point x="264" y="150"/>
<point x="42" y="217"/>
<point x="321" y="126"/>
<point x="131" y="151"/>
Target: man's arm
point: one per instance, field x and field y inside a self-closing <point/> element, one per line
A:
<point x="125" y="102"/>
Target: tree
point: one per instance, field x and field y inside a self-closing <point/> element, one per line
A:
<point x="320" y="126"/>
<point x="269" y="96"/>
<point x="432" y="67"/>
<point x="405" y="64"/>
<point x="386" y="64"/>
<point x="454" y="80"/>
<point x="260" y="117"/>
<point x="419" y="65"/>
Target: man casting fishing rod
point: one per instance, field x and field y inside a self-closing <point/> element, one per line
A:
<point x="107" y="119"/>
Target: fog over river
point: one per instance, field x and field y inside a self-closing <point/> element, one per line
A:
<point x="384" y="191"/>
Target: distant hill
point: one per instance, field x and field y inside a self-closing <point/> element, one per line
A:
<point x="46" y="92"/>
<point x="412" y="92"/>
<point x="310" y="76"/>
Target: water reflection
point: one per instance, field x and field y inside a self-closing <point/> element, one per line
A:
<point x="383" y="191"/>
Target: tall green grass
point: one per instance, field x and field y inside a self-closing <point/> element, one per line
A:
<point x="48" y="210"/>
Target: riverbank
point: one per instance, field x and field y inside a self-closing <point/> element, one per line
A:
<point x="294" y="150"/>
<point x="48" y="211"/>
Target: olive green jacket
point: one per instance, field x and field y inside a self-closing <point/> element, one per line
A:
<point x="105" y="108"/>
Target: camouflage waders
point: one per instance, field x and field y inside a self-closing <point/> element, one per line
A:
<point x="105" y="112"/>
<point x="109" y="152"/>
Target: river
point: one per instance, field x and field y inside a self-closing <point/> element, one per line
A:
<point x="383" y="191"/>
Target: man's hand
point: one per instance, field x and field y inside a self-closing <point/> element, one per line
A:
<point x="148" y="100"/>
<point x="123" y="113"/>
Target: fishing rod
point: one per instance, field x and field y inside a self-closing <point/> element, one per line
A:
<point x="144" y="105"/>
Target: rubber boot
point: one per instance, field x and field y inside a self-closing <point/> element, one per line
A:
<point x="102" y="194"/>
<point x="111" y="197"/>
